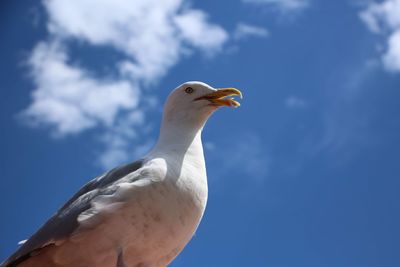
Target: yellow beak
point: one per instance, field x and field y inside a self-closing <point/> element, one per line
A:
<point x="218" y="97"/>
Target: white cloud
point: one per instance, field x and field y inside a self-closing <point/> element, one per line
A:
<point x="283" y="5"/>
<point x="195" y="29"/>
<point x="151" y="32"/>
<point x="295" y="102"/>
<point x="244" y="30"/>
<point x="153" y="36"/>
<point x="379" y="16"/>
<point x="384" y="18"/>
<point x="70" y="99"/>
<point x="391" y="58"/>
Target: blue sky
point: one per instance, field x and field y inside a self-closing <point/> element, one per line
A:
<point x="305" y="173"/>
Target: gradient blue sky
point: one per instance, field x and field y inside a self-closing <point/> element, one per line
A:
<point x="305" y="173"/>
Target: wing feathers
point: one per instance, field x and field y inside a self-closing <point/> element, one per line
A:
<point x="80" y="209"/>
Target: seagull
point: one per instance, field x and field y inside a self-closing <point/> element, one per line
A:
<point x="140" y="214"/>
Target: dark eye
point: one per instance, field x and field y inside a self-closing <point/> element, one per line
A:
<point x="189" y="90"/>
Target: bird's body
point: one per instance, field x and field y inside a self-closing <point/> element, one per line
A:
<point x="139" y="214"/>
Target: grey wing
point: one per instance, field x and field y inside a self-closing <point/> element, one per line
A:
<point x="65" y="222"/>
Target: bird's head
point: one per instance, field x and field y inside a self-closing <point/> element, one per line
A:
<point x="194" y="102"/>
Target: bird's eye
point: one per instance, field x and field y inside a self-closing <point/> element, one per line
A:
<point x="189" y="90"/>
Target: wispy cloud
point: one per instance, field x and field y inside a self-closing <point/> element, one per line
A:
<point x="151" y="35"/>
<point x="346" y="125"/>
<point x="295" y="102"/>
<point x="282" y="5"/>
<point x="384" y="18"/>
<point x="246" y="156"/>
<point x="244" y="31"/>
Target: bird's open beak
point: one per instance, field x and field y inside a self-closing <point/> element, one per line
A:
<point x="218" y="97"/>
